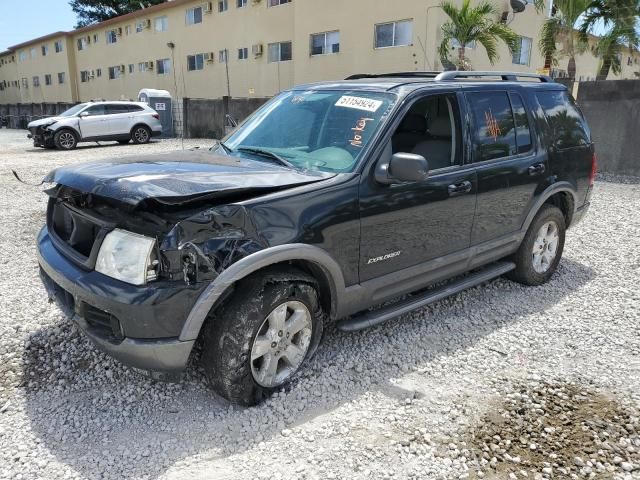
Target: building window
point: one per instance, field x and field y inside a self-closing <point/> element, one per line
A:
<point x="222" y="56"/>
<point x="47" y="79"/>
<point x="22" y="56"/>
<point x="98" y="72"/>
<point x="241" y="3"/>
<point x="36" y="81"/>
<point x="195" y="62"/>
<point x="455" y="43"/>
<point x="325" y="43"/>
<point x="279" y="52"/>
<point x="394" y="34"/>
<point x="61" y="78"/>
<point x="142" y="67"/>
<point x="112" y="36"/>
<point x="161" y="24"/>
<point x="194" y="15"/>
<point x="25" y="82"/>
<point x="127" y="30"/>
<point x="132" y="68"/>
<point x="275" y="3"/>
<point x="45" y="50"/>
<point x="84" y="76"/>
<point x="163" y="66"/>
<point x="140" y="25"/>
<point x="223" y="6"/>
<point x="243" y="53"/>
<point x="58" y="46"/>
<point x="522" y="52"/>
<point x="82" y="43"/>
<point x="114" y="72"/>
<point x="32" y="52"/>
<point x="96" y="37"/>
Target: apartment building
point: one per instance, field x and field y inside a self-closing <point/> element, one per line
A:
<point x="246" y="48"/>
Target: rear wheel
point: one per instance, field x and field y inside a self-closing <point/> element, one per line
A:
<point x="540" y="252"/>
<point x="258" y="340"/>
<point x="141" y="134"/>
<point x="65" y="139"/>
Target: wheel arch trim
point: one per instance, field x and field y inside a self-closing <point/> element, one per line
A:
<point x="558" y="187"/>
<point x="251" y="264"/>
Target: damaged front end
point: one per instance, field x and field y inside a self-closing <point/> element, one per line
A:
<point x="42" y="135"/>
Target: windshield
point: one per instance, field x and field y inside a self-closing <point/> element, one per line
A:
<point x="73" y="110"/>
<point x="313" y="130"/>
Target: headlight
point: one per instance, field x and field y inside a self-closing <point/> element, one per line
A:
<point x="127" y="256"/>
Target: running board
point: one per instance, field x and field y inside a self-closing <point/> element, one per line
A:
<point x="376" y="317"/>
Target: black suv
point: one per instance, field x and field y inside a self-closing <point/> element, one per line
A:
<point x="330" y="199"/>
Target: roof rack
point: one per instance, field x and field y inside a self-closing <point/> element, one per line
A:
<point x="453" y="75"/>
<point x="505" y="76"/>
<point x="359" y="76"/>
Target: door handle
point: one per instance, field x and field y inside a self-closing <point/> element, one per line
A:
<point x="459" y="188"/>
<point x="537" y="169"/>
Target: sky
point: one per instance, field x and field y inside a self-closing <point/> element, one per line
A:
<point x="22" y="20"/>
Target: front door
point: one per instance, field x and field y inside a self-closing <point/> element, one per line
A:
<point x="408" y="224"/>
<point x="512" y="171"/>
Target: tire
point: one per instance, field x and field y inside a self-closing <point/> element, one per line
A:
<point x="243" y="328"/>
<point x="124" y="142"/>
<point x="535" y="267"/>
<point x="65" y="139"/>
<point x="140" y="134"/>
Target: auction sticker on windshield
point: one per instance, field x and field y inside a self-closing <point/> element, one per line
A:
<point x="359" y="103"/>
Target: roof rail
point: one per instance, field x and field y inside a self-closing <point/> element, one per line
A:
<point x="359" y="76"/>
<point x="506" y="76"/>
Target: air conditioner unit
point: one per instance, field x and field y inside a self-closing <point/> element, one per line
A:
<point x="257" y="50"/>
<point x="92" y="75"/>
<point x="208" y="7"/>
<point x="210" y="57"/>
<point x="148" y="65"/>
<point x="119" y="31"/>
<point x="88" y="38"/>
<point x="122" y="68"/>
<point x="147" y="23"/>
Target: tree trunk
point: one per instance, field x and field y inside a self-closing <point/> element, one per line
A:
<point x="461" y="57"/>
<point x="571" y="68"/>
<point x="604" y="69"/>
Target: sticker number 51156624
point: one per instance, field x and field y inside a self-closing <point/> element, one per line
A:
<point x="359" y="103"/>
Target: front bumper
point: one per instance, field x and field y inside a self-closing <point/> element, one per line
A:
<point x="137" y="325"/>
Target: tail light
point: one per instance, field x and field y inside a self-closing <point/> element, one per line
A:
<point x="156" y="116"/>
<point x="592" y="175"/>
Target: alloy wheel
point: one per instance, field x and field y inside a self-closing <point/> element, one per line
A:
<point x="545" y="247"/>
<point x="67" y="140"/>
<point x="141" y="135"/>
<point x="281" y="344"/>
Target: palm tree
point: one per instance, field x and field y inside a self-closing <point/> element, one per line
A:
<point x="473" y="24"/>
<point x="621" y="18"/>
<point x="561" y="26"/>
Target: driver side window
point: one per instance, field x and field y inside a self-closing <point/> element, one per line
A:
<point x="431" y="128"/>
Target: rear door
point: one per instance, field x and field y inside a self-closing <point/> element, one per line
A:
<point x="512" y="170"/>
<point x="118" y="119"/>
<point x="94" y="123"/>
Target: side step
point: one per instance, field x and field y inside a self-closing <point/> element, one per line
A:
<point x="369" y="319"/>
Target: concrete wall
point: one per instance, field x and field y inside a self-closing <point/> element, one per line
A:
<point x="204" y="118"/>
<point x="612" y="109"/>
<point x="18" y="115"/>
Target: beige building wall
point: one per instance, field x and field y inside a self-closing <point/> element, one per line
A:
<point x="255" y="24"/>
<point x="10" y="91"/>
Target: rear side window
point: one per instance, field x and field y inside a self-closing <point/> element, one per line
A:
<point x="568" y="127"/>
<point x="135" y="108"/>
<point x="523" y="132"/>
<point x="115" y="108"/>
<point x="494" y="133"/>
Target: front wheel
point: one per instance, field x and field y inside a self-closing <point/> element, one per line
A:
<point x="141" y="134"/>
<point x="540" y="252"/>
<point x="65" y="140"/>
<point x="262" y="335"/>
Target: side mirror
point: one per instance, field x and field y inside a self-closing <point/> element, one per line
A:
<point x="83" y="114"/>
<point x="403" y="168"/>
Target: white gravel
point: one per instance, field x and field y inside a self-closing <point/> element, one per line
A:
<point x="421" y="397"/>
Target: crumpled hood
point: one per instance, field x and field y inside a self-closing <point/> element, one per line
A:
<point x="179" y="177"/>
<point x="45" y="121"/>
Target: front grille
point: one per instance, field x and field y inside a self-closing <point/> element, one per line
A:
<point x="76" y="233"/>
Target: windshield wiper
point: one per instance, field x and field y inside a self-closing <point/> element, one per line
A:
<point x="268" y="154"/>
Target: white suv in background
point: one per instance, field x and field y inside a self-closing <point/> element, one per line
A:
<point x="95" y="121"/>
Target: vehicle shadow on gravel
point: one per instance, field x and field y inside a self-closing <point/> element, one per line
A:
<point x="84" y="147"/>
<point x="103" y="420"/>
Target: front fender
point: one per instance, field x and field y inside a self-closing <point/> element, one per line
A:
<point x="254" y="262"/>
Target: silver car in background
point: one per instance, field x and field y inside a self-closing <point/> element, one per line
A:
<point x="96" y="121"/>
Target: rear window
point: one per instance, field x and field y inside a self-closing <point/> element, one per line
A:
<point x="568" y="127"/>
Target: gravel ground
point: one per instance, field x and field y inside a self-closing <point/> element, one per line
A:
<point x="501" y="381"/>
